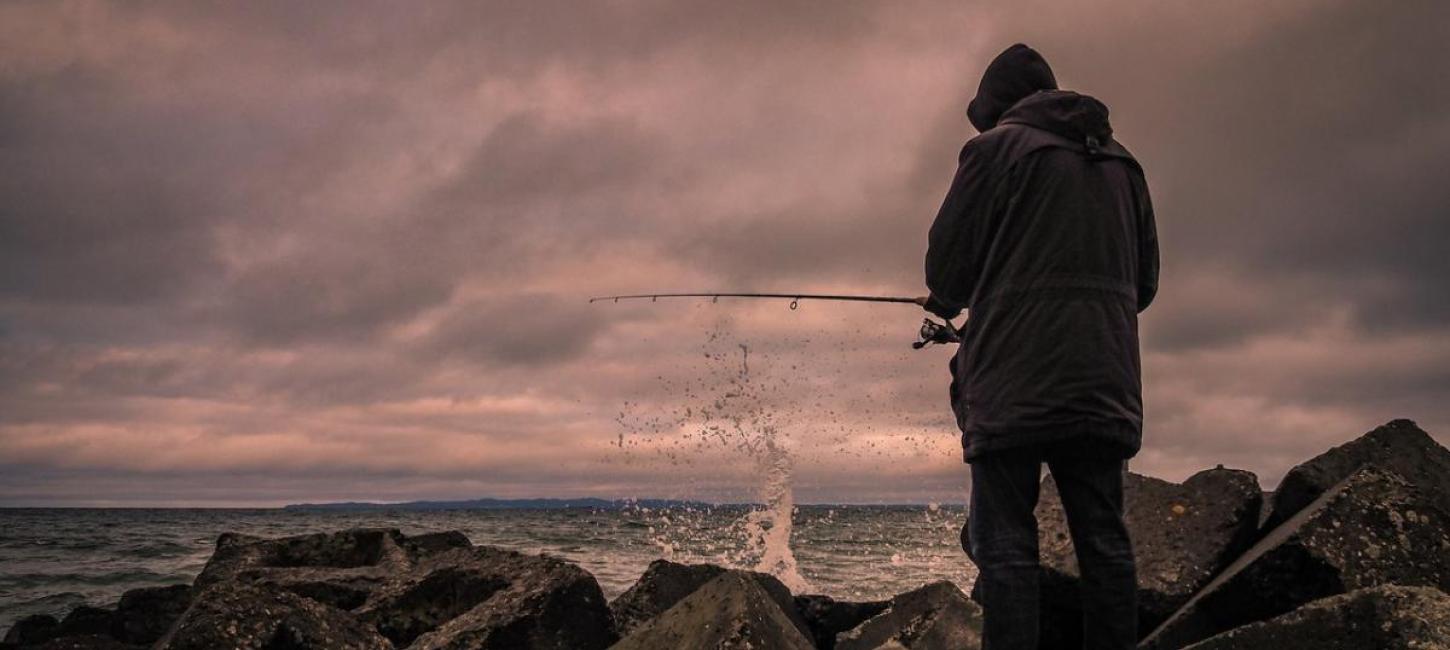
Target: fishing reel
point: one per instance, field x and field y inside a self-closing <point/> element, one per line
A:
<point x="933" y="332"/>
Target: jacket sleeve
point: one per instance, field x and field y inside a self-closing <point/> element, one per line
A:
<point x="1147" y="249"/>
<point x="951" y="267"/>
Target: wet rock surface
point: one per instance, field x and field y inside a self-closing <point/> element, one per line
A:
<point x="1374" y="528"/>
<point x="1400" y="446"/>
<point x="238" y="615"/>
<point x="826" y="617"/>
<point x="1388" y="617"/>
<point x="485" y="597"/>
<point x="665" y="583"/>
<point x="732" y="611"/>
<point x="936" y="616"/>
<point x="1183" y="533"/>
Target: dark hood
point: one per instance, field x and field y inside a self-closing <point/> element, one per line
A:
<point x="1016" y="73"/>
<point x="1074" y="116"/>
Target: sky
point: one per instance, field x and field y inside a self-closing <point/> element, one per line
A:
<point x="264" y="253"/>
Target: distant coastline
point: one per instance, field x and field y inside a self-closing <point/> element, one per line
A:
<point x="505" y="504"/>
<point x="562" y="504"/>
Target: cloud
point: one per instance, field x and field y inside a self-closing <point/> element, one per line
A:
<point x="280" y="252"/>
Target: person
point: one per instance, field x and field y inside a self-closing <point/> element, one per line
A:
<point x="1047" y="238"/>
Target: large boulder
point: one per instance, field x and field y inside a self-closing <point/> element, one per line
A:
<point x="730" y="612"/>
<point x="1388" y="617"/>
<point x="143" y="615"/>
<point x="239" y="615"/>
<point x="665" y="583"/>
<point x="1373" y="528"/>
<point x="937" y="616"/>
<point x="485" y="597"/>
<point x="1182" y="534"/>
<point x="340" y="569"/>
<point x="826" y="617"/>
<point x="1399" y="446"/>
<point x="662" y="584"/>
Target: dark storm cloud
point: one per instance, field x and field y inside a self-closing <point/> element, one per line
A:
<point x="101" y="202"/>
<point x="344" y="253"/>
<point x="1310" y="154"/>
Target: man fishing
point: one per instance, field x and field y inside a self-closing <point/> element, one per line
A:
<point x="1047" y="236"/>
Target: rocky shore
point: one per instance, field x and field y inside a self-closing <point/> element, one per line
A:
<point x="1352" y="551"/>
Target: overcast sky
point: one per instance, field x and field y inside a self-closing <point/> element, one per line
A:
<point x="260" y="253"/>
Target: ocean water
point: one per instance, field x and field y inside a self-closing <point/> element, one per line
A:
<point x="54" y="559"/>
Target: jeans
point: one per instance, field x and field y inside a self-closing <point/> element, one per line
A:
<point x="1002" y="541"/>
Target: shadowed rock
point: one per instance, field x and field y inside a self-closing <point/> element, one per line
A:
<point x="85" y="642"/>
<point x="937" y="616"/>
<point x="826" y="617"/>
<point x="1182" y="534"/>
<point x="1399" y="446"/>
<point x="144" y="615"/>
<point x="33" y="629"/>
<point x="86" y="620"/>
<point x="733" y="611"/>
<point x="237" y="615"/>
<point x="665" y="583"/>
<point x="1374" y="528"/>
<point x="1388" y="617"/>
<point x="484" y="597"/>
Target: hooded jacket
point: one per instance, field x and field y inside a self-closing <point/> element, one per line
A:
<point x="1047" y="236"/>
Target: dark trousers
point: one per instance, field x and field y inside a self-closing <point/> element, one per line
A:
<point x="1002" y="540"/>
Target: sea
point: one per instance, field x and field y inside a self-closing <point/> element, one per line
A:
<point x="52" y="560"/>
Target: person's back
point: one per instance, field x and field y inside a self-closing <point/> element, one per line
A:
<point x="1047" y="236"/>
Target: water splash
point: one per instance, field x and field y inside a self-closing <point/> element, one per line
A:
<point x="743" y="416"/>
<point x="768" y="529"/>
<point x="728" y="409"/>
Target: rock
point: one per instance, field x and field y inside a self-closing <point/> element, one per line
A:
<point x="485" y="597"/>
<point x="1399" y="446"/>
<point x="85" y="642"/>
<point x="239" y="615"/>
<point x="665" y="583"/>
<point x="1373" y="528"/>
<point x="340" y="569"/>
<point x="1182" y="533"/>
<point x="732" y="611"/>
<point x="421" y="546"/>
<point x="826" y="617"/>
<point x="86" y="620"/>
<point x="144" y="615"/>
<point x="662" y="584"/>
<point x="1388" y="617"/>
<point x="33" y="629"/>
<point x="347" y="555"/>
<point x="936" y="616"/>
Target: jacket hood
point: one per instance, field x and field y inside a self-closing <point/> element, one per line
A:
<point x="1074" y="116"/>
<point x="1016" y="73"/>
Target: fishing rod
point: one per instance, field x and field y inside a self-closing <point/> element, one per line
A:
<point x="931" y="332"/>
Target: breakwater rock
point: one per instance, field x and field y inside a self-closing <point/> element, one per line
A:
<point x="1356" y="553"/>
